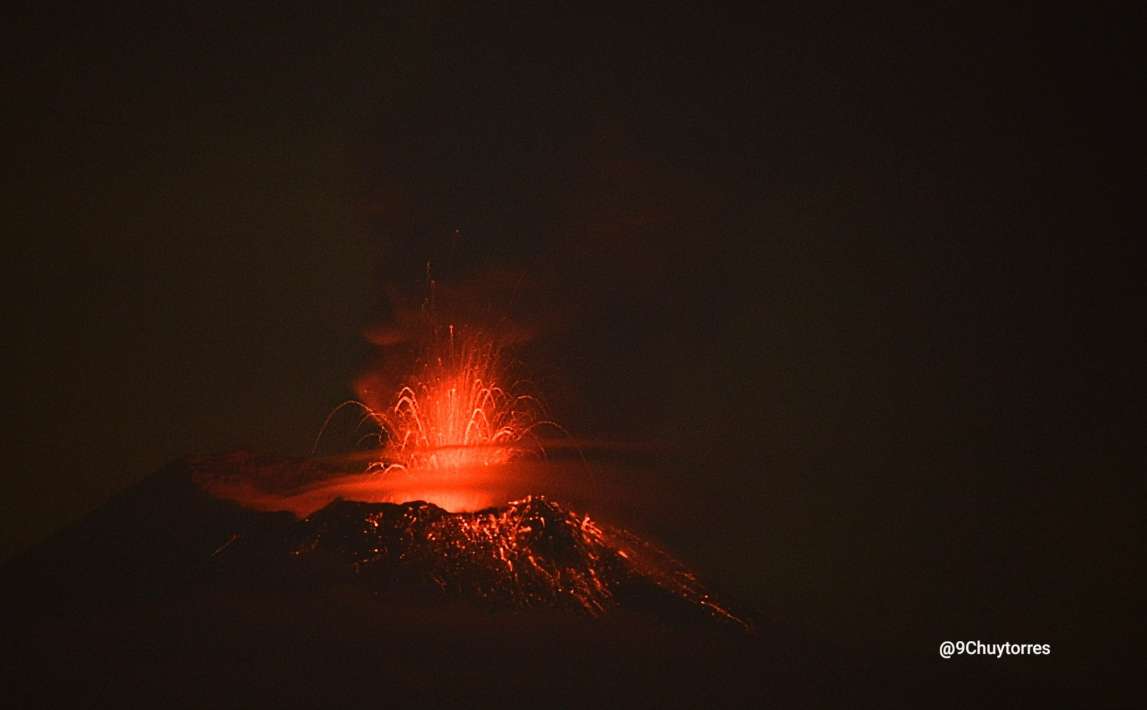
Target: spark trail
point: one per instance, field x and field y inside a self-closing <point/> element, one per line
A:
<point x="454" y="412"/>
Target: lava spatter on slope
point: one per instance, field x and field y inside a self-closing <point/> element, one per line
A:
<point x="529" y="554"/>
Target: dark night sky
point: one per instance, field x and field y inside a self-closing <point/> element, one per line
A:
<point x="834" y="258"/>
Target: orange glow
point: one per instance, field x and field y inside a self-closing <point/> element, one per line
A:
<point x="303" y="486"/>
<point x="454" y="413"/>
<point x="446" y="430"/>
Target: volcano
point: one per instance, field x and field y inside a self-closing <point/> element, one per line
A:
<point x="170" y="582"/>
<point x="526" y="554"/>
<point x="173" y="594"/>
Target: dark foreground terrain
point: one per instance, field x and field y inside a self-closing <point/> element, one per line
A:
<point x="168" y="597"/>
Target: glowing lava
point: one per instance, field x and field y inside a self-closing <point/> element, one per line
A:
<point x="449" y="425"/>
<point x="454" y="414"/>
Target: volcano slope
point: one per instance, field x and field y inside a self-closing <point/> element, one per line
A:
<point x="171" y="596"/>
